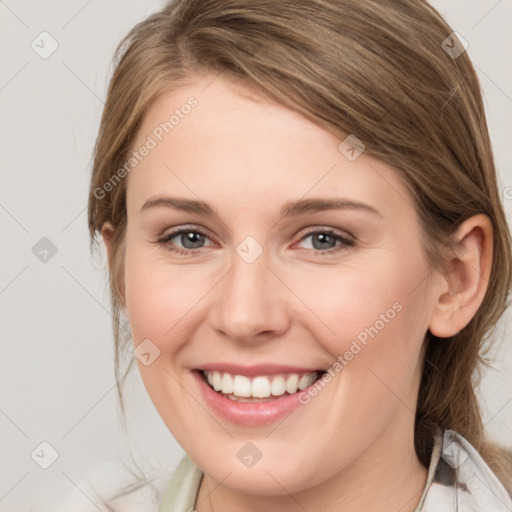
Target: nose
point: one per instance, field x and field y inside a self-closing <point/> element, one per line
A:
<point x="251" y="303"/>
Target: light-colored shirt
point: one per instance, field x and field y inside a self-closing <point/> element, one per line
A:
<point x="458" y="480"/>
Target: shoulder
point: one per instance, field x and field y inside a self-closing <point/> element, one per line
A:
<point x="460" y="479"/>
<point x="112" y="486"/>
<point x="181" y="492"/>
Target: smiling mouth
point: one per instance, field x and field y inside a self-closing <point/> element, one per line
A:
<point x="260" y="388"/>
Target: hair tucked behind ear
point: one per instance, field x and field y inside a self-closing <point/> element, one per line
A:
<point x="373" y="68"/>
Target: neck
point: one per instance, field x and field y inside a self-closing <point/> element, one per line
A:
<point x="386" y="477"/>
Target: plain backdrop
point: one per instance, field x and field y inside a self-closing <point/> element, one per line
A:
<point x="56" y="364"/>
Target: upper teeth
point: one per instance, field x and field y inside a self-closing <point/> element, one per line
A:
<point x="260" y="386"/>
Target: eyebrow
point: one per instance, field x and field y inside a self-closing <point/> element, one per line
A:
<point x="289" y="209"/>
<point x="303" y="206"/>
<point x="186" y="205"/>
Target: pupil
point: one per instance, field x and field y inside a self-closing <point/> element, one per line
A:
<point x="324" y="239"/>
<point x="195" y="239"/>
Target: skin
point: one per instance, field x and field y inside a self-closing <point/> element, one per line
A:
<point x="352" y="447"/>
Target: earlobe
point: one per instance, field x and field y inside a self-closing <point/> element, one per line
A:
<point x="107" y="234"/>
<point x="462" y="289"/>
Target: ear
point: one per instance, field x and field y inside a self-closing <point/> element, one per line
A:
<point x="107" y="233"/>
<point x="463" y="288"/>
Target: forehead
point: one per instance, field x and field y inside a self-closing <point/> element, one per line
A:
<point x="221" y="140"/>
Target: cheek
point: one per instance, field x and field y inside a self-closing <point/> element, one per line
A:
<point x="371" y="318"/>
<point x="159" y="296"/>
<point x="375" y="298"/>
<point x="160" y="301"/>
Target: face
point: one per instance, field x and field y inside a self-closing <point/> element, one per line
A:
<point x="261" y="255"/>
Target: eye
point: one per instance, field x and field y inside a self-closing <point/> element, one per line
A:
<point x="189" y="238"/>
<point x="186" y="240"/>
<point x="327" y="240"/>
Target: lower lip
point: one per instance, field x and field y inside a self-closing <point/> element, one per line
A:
<point x="247" y="413"/>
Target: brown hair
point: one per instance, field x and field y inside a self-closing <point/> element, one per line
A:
<point x="371" y="68"/>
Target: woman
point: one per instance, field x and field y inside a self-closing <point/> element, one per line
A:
<point x="299" y="205"/>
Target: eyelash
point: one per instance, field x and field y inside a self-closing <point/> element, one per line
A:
<point x="345" y="241"/>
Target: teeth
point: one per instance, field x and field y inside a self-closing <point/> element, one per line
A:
<point x="227" y="383"/>
<point x="216" y="381"/>
<point x="291" y="383"/>
<point x="278" y="388"/>
<point x="241" y="386"/>
<point x="304" y="382"/>
<point x="260" y="386"/>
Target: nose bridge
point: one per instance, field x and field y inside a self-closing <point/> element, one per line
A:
<point x="250" y="301"/>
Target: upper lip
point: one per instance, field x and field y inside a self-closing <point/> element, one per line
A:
<point x="257" y="369"/>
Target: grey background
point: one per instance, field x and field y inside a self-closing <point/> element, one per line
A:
<point x="56" y="365"/>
